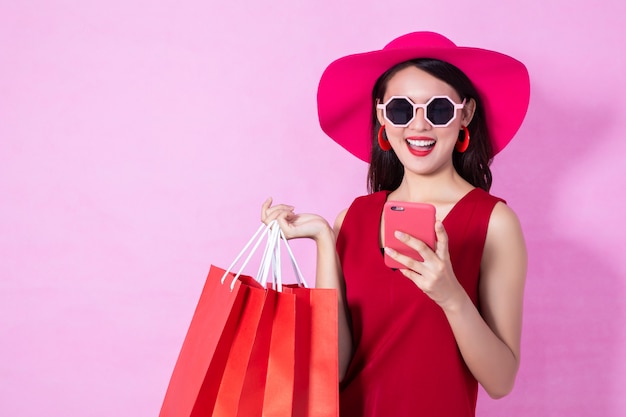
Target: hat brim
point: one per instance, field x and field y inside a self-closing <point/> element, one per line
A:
<point x="345" y="103"/>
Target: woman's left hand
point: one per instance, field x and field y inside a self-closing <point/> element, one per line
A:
<point x="434" y="275"/>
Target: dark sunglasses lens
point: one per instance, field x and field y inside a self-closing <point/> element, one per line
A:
<point x="399" y="111"/>
<point x="440" y="111"/>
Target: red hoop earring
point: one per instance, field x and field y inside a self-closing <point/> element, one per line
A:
<point x="462" y="145"/>
<point x="382" y="142"/>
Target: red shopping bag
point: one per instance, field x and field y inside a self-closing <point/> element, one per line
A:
<point x="257" y="352"/>
<point x="268" y="389"/>
<point x="197" y="375"/>
<point x="316" y="376"/>
<point x="296" y="373"/>
<point x="243" y="378"/>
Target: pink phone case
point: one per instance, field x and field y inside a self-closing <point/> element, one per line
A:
<point x="415" y="219"/>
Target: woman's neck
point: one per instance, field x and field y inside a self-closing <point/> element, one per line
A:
<point x="440" y="187"/>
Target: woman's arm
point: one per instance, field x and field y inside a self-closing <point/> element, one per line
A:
<point x="329" y="275"/>
<point x="328" y="269"/>
<point x="489" y="341"/>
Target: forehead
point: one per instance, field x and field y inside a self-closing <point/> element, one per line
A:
<point x="418" y="85"/>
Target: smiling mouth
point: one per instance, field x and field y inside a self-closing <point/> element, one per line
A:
<point x="420" y="143"/>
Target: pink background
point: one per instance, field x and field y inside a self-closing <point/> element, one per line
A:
<point x="138" y="139"/>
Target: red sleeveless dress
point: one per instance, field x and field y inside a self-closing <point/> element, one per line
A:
<point x="406" y="361"/>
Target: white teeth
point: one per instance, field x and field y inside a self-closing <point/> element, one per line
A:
<point x="421" y="143"/>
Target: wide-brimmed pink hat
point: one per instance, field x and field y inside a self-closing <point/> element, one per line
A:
<point x="344" y="96"/>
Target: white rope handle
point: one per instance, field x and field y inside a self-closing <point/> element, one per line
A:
<point x="263" y="230"/>
<point x="277" y="282"/>
<point x="277" y="262"/>
<point x="270" y="258"/>
<point x="296" y="269"/>
<point x="269" y="247"/>
<point x="267" y="261"/>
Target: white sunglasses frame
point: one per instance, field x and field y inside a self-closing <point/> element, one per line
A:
<point x="383" y="107"/>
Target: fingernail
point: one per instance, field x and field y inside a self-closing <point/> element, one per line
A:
<point x="399" y="234"/>
<point x="390" y="251"/>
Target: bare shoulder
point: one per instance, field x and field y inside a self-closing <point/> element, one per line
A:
<point x="505" y="243"/>
<point x="503" y="221"/>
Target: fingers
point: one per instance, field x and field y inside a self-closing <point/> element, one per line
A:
<point x="266" y="205"/>
<point x="405" y="260"/>
<point x="414" y="243"/>
<point x="442" y="240"/>
<point x="413" y="268"/>
<point x="434" y="275"/>
<point x="426" y="252"/>
<point x="279" y="211"/>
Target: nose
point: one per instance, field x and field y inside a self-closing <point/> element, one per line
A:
<point x="419" y="122"/>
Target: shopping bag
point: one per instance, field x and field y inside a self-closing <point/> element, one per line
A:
<point x="205" y="347"/>
<point x="316" y="373"/>
<point x="268" y="389"/>
<point x="256" y="348"/>
<point x="224" y="314"/>
<point x="302" y="368"/>
<point x="268" y="386"/>
<point x="310" y="338"/>
<point x="246" y="364"/>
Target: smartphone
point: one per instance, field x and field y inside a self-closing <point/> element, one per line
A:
<point x="415" y="219"/>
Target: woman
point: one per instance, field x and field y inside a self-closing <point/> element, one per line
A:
<point x="429" y="117"/>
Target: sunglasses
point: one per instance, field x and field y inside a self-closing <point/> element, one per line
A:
<point x="439" y="111"/>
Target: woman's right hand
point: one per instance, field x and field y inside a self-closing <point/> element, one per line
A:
<point x="294" y="225"/>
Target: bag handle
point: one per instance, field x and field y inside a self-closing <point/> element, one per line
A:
<point x="296" y="269"/>
<point x="274" y="241"/>
<point x="258" y="235"/>
<point x="270" y="258"/>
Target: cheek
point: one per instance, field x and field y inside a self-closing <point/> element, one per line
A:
<point x="394" y="133"/>
<point x="448" y="135"/>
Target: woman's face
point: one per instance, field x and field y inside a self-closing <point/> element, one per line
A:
<point x="421" y="147"/>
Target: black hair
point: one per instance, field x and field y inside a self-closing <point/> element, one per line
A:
<point x="386" y="171"/>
